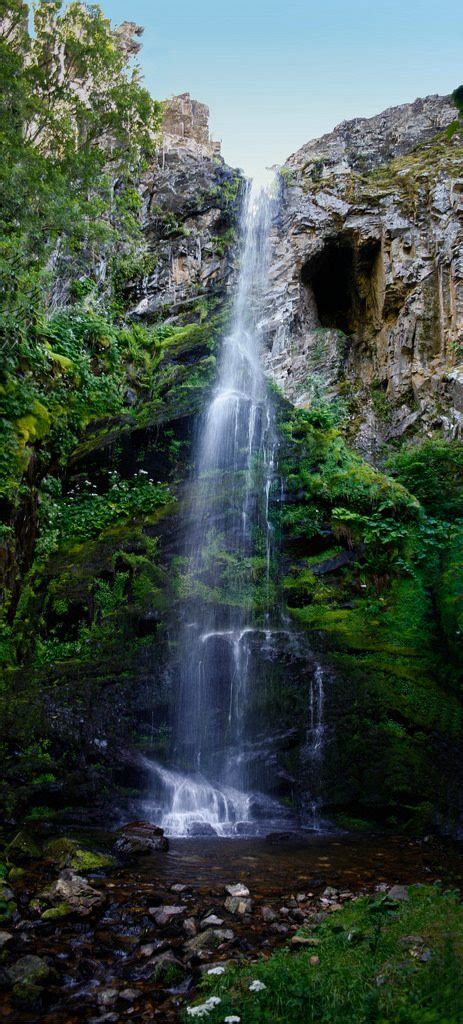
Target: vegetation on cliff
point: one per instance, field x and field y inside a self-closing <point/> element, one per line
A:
<point x="95" y="405"/>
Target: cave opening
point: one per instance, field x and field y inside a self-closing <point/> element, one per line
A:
<point x="342" y="282"/>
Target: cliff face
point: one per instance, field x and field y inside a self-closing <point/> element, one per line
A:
<point x="367" y="272"/>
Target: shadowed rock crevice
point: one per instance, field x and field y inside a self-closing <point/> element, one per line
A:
<point x="341" y="284"/>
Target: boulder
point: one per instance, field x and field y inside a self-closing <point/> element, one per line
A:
<point x="163" y="915"/>
<point x="139" y="839"/>
<point x="201" y="828"/>
<point x="66" y="853"/>
<point x="212" y="938"/>
<point x="74" y="892"/>
<point x="236" y="905"/>
<point x="30" y="970"/>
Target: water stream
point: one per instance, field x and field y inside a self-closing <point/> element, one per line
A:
<point x="226" y="577"/>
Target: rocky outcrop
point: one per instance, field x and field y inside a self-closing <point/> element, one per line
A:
<point x="367" y="272"/>
<point x="190" y="204"/>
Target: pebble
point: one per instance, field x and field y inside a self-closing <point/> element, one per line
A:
<point x="212" y="921"/>
<point x="162" y="915"/>
<point x="237" y="890"/>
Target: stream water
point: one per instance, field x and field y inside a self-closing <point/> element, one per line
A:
<point x="210" y="786"/>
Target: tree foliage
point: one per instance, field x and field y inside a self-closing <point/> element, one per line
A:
<point x="76" y="126"/>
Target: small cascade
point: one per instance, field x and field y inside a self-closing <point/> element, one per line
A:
<point x="315" y="740"/>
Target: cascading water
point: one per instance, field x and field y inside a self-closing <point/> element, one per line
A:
<point x="226" y="577"/>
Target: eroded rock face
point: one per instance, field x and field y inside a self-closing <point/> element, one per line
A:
<point x="190" y="208"/>
<point x="366" y="286"/>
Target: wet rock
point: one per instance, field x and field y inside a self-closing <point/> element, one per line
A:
<point x="189" y="927"/>
<point x="5" y="938"/>
<point x="166" y="968"/>
<point x="235" y="905"/>
<point x="23" y="848"/>
<point x="329" y="893"/>
<point x="212" y="938"/>
<point x="237" y="890"/>
<point x="139" y="839"/>
<point x="66" y="853"/>
<point x="30" y="970"/>
<point x="201" y="828"/>
<point x="74" y="891"/>
<point x="107" y="996"/>
<point x="398" y="892"/>
<point x="163" y="915"/>
<point x="153" y="947"/>
<point x="212" y="921"/>
<point x="268" y="915"/>
<point x="6" y="894"/>
<point x="129" y="995"/>
<point x="178" y="888"/>
<point x="56" y="913"/>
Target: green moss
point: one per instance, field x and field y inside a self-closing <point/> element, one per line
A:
<point x="56" y="913"/>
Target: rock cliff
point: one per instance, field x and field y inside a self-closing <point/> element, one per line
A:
<point x="367" y="273"/>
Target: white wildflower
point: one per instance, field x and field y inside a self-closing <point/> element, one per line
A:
<point x="216" y="970"/>
<point x="257" y="986"/>
<point x="202" y="1009"/>
<point x="143" y="472"/>
<point x="232" y="1020"/>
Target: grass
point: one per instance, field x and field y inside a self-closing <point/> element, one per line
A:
<point x="377" y="961"/>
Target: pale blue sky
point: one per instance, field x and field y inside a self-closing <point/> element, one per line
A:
<point x="278" y="74"/>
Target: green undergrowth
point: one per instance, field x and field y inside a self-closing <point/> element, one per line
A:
<point x="376" y="961"/>
<point x="374" y="569"/>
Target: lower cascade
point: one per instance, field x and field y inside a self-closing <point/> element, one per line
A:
<point x="227" y="607"/>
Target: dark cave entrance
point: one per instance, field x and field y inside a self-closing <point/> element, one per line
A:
<point x="342" y="283"/>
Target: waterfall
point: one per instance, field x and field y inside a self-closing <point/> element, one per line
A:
<point x="225" y="577"/>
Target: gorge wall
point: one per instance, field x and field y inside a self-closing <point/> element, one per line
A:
<point x="368" y="290"/>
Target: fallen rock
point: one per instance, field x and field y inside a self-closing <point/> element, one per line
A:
<point x="129" y="995"/>
<point x="162" y="915"/>
<point x="166" y="967"/>
<point x="30" y="970"/>
<point x="212" y="938"/>
<point x="5" y="938"/>
<point x="398" y="892"/>
<point x="66" y="853"/>
<point x="139" y="839"/>
<point x="107" y="996"/>
<point x="237" y="890"/>
<point x="75" y="892"/>
<point x="201" y="828"/>
<point x="268" y="915"/>
<point x="235" y="905"/>
<point x="212" y="921"/>
<point x="189" y="927"/>
<point x="55" y="913"/>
